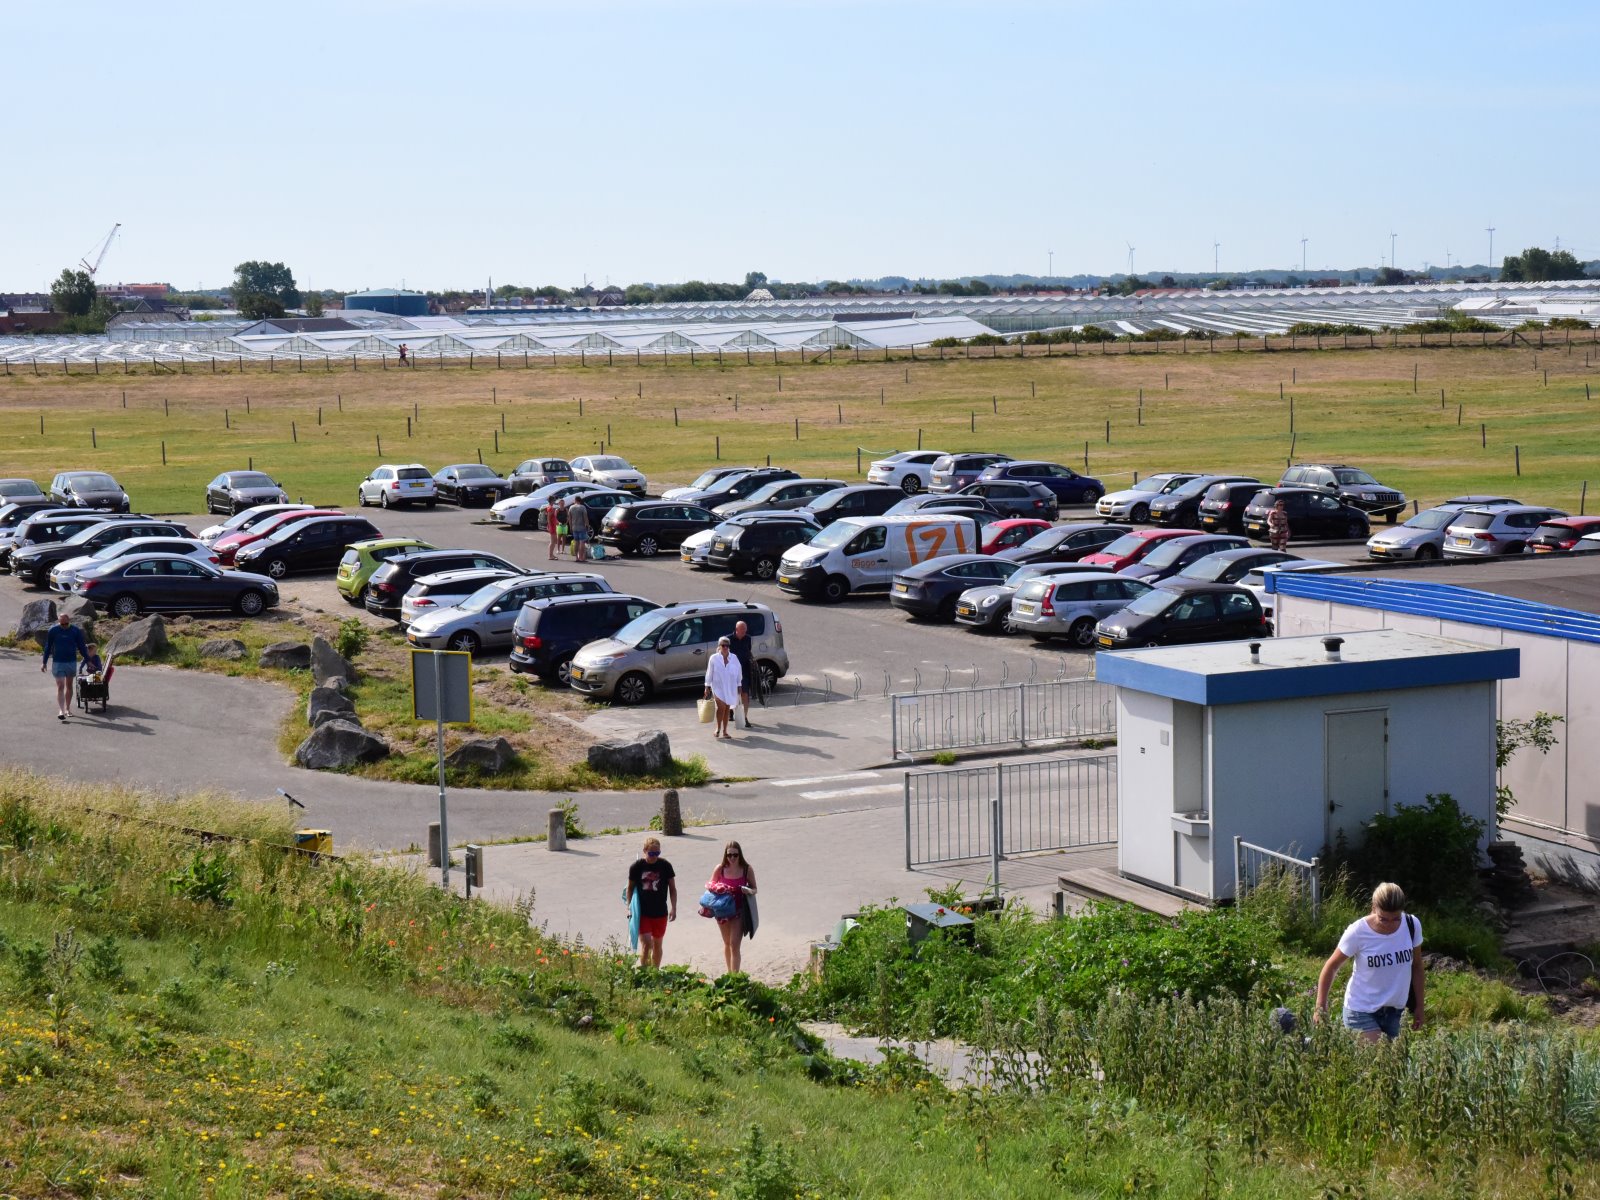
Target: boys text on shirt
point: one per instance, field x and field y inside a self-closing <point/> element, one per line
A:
<point x="1380" y="975"/>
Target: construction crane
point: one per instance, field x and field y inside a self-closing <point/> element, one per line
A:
<point x="100" y="257"/>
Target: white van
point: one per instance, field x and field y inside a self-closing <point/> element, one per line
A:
<point x="862" y="554"/>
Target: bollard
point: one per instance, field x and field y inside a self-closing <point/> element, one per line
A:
<point x="671" y="814"/>
<point x="474" y="870"/>
<point x="433" y="843"/>
<point x="558" y="829"/>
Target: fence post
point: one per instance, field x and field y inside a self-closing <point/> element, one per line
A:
<point x="1237" y="851"/>
<point x="1316" y="888"/>
<point x="1022" y="710"/>
<point x="906" y="782"/>
<point x="997" y="826"/>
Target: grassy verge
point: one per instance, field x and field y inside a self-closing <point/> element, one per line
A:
<point x="231" y="1021"/>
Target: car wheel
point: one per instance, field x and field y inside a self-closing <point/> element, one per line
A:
<point x="1516" y="547"/>
<point x="125" y="606"/>
<point x="769" y="676"/>
<point x="276" y="568"/>
<point x="835" y="588"/>
<point x="1090" y="495"/>
<point x="1426" y="553"/>
<point x="911" y="485"/>
<point x="463" y="640"/>
<point x="359" y="598"/>
<point x="1082" y="632"/>
<point x="383" y="499"/>
<point x="1190" y="521"/>
<point x="361" y="497"/>
<point x="646" y="547"/>
<point x="235" y="508"/>
<point x="947" y="609"/>
<point x="1151" y="644"/>
<point x="528" y="521"/>
<point x="1357" y="529"/>
<point x="251" y="604"/>
<point x="563" y="672"/>
<point x="766" y="568"/>
<point x="430" y="503"/>
<point x="633" y="688"/>
<point x="1140" y="514"/>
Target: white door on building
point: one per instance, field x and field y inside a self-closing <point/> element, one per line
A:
<point x="1356" y="776"/>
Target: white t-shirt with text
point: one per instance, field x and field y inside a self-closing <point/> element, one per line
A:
<point x="1380" y="975"/>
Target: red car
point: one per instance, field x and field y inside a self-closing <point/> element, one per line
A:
<point x="229" y="545"/>
<point x="1131" y="547"/>
<point x="1561" y="535"/>
<point x="1002" y="535"/>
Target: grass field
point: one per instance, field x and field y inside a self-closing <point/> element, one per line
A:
<point x="1216" y="410"/>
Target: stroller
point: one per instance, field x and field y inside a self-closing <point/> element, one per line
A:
<point x="93" y="689"/>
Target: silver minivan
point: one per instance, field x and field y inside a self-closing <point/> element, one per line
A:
<point x="670" y="647"/>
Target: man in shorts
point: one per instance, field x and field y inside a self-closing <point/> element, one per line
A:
<point x="655" y="882"/>
<point x="578" y="529"/>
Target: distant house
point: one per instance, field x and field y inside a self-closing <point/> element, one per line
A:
<point x="297" y="325"/>
<point x="16" y="321"/>
<point x="611" y="298"/>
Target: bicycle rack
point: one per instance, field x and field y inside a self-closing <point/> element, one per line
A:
<point x="945" y="686"/>
<point x="977" y="675"/>
<point x="886" y="685"/>
<point x="856" y="694"/>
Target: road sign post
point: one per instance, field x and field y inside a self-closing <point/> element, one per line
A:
<point x="441" y="690"/>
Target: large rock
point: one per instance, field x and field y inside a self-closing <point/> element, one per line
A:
<point x="633" y="756"/>
<point x="491" y="755"/>
<point x="328" y="666"/>
<point x="288" y="656"/>
<point x="329" y="704"/>
<point x="37" y="616"/>
<point x="144" y="638"/>
<point x="80" y="609"/>
<point x="231" y="649"/>
<point x="338" y="744"/>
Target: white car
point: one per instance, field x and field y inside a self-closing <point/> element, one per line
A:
<point x="395" y="484"/>
<point x="246" y="519"/>
<point x="909" y="470"/>
<point x="65" y="574"/>
<point x="523" y="511"/>
<point x="695" y="549"/>
<point x="1133" y="504"/>
<point x="608" y="471"/>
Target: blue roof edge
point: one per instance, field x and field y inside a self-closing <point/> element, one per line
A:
<point x="1443" y="601"/>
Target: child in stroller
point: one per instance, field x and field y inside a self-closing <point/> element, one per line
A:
<point x="93" y="684"/>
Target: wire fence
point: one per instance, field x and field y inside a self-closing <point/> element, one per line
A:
<point x="1018" y="715"/>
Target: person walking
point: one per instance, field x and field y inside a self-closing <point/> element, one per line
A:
<point x="653" y="881"/>
<point x="403" y="353"/>
<point x="744" y="650"/>
<point x="578" y="527"/>
<point x="552" y="525"/>
<point x="1387" y="977"/>
<point x="1278" y="526"/>
<point x="723" y="677"/>
<point x="64" y="644"/>
<point x="737" y="878"/>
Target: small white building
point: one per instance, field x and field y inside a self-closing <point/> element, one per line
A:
<point x="1291" y="742"/>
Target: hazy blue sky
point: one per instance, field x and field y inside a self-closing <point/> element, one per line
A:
<point x="440" y="143"/>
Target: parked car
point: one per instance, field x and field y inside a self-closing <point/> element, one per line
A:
<point x="929" y="503"/>
<point x="1255" y="580"/>
<point x="47" y="529"/>
<point x="1064" y="483"/>
<point x="1133" y="546"/>
<point x="65" y="573"/>
<point x="445" y="589"/>
<point x="1350" y="485"/>
<point x="931" y="589"/>
<point x="1222" y="507"/>
<point x="1016" y="498"/>
<point x="703" y="481"/>
<point x="548" y="633"/>
<point x="695" y="550"/>
<point x="1071" y="605"/>
<point x="531" y="474"/>
<point x="234" y="491"/>
<point x="1423" y="535"/>
<point x="1562" y="534"/>
<point x="1167" y="559"/>
<point x="15" y="517"/>
<point x="910" y="470"/>
<point x="305" y="543"/>
<point x="89" y="489"/>
<point x="470" y="483"/>
<point x="247" y="519"/>
<point x="988" y="606"/>
<point x="1229" y="566"/>
<point x="12" y="490"/>
<point x="599" y="502"/>
<point x="526" y="511"/>
<point x="1065" y="543"/>
<point x="852" y="500"/>
<point x="1009" y="533"/>
<point x="738" y="485"/>
<point x="866" y="554"/>
<point x="669" y="648"/>
<point x="609" y="471"/>
<point x="1193" y="612"/>
<point x="782" y="493"/>
<point x="485" y="619"/>
<point x="228" y="546"/>
<point x="392" y="577"/>
<point x="126" y="587"/>
<point x="952" y="472"/>
<point x="651" y="526"/>
<point x="396" y="485"/>
<point x="1484" y="532"/>
<point x="1180" y="508"/>
<point x="754" y="543"/>
<point x="1312" y="514"/>
<point x="35" y="562"/>
<point x="1133" y="504"/>
<point x="361" y="560"/>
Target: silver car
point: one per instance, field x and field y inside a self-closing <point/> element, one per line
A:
<point x="694" y="548"/>
<point x="1486" y="532"/>
<point x="396" y="484"/>
<point x="1071" y="605"/>
<point x="1133" y="504"/>
<point x="446" y="589"/>
<point x="1423" y="535"/>
<point x="485" y="619"/>
<point x="989" y="606"/>
<point x="670" y="647"/>
<point x="609" y="471"/>
<point x="64" y="574"/>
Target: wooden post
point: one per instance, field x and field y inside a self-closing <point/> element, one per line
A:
<point x="719" y="447"/>
<point x="496" y="441"/>
<point x="378" y="437"/>
<point x="319" y="414"/>
<point x="163" y="453"/>
<point x="1483" y="436"/>
<point x="674" y="416"/>
<point x="1459" y="408"/>
<point x="797" y="429"/>
<point x="919" y="439"/>
<point x="94" y="442"/>
<point x="166" y="406"/>
<point x="1413" y="378"/>
<point x="972" y="420"/>
<point x="1108" y="433"/>
<point x="1517" y="452"/>
<point x="294" y="433"/>
<point x="1086" y="451"/>
<point x="408" y="426"/>
<point x="1583" y="497"/>
<point x="840" y="407"/>
<point x="226" y="424"/>
<point x="994" y="404"/>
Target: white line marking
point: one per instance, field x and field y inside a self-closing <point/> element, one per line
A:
<point x="874" y="790"/>
<point x="823" y="779"/>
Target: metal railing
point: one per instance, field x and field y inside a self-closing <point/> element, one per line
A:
<point x="964" y="813"/>
<point x="1254" y="865"/>
<point x="1023" y="714"/>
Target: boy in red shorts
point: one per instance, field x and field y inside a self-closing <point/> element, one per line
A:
<point x="655" y="883"/>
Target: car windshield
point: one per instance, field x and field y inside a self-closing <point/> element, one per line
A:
<point x="475" y="472"/>
<point x="1357" y="478"/>
<point x="1194" y="487"/>
<point x="827" y="499"/>
<point x="766" y="492"/>
<point x="1047" y="539"/>
<point x="412" y="473"/>
<point x="89" y="482"/>
<point x="1473" y="520"/>
<point x="1152" y="603"/>
<point x="482" y="598"/>
<point x="1433" y="518"/>
<point x="1126" y="544"/>
<point x="643" y="628"/>
<point x="705" y="480"/>
<point x="1027" y="575"/>
<point x="1210" y="568"/>
<point x="1166" y="555"/>
<point x="1556" y="531"/>
<point x="727" y="483"/>
<point x="606" y="463"/>
<point x="251" y="479"/>
<point x="18" y="487"/>
<point x="1163" y="484"/>
<point x="834" y="536"/>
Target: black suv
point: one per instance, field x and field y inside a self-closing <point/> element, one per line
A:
<point x="1064" y="543"/>
<point x="1222" y="507"/>
<point x="753" y="545"/>
<point x="856" y="500"/>
<point x="1353" y="486"/>
<point x="49" y="527"/>
<point x="549" y="632"/>
<point x="1180" y="508"/>
<point x="656" y="525"/>
<point x="1312" y="513"/>
<point x="391" y="581"/>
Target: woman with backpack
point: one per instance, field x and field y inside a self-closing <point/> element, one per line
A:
<point x="1387" y="976"/>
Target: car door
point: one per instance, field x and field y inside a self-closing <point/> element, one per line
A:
<point x="1239" y="616"/>
<point x="318" y="546"/>
<point x="1320" y="516"/>
<point x="1014" y="536"/>
<point x="1105" y="596"/>
<point x="494" y="627"/>
<point x="189" y="585"/>
<point x="868" y="554"/>
<point x="1193" y="619"/>
<point x="145" y="581"/>
<point x="681" y="652"/>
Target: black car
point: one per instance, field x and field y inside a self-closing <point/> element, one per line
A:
<point x="599" y="503"/>
<point x="954" y="471"/>
<point x="550" y="631"/>
<point x="1064" y="543"/>
<point x="1177" y="553"/>
<point x="152" y="582"/>
<point x="976" y="507"/>
<point x="1069" y="487"/>
<point x="657" y="525"/>
<point x="1016" y="498"/>
<point x="34" y="563"/>
<point x="784" y="493"/>
<point x="1222" y="507"/>
<point x="49" y="527"/>
<point x="931" y="589"/>
<point x="89" y="489"/>
<point x="15" y="512"/>
<point x="1180" y="508"/>
<point x="470" y="483"/>
<point x="1183" y="613"/>
<point x="1228" y="566"/>
<point x="234" y="491"/>
<point x="1349" y="484"/>
<point x="12" y="490"/>
<point x="531" y="474"/>
<point x="390" y="582"/>
<point x="736" y="485"/>
<point x="855" y="500"/>
<point x="753" y="544"/>
<point x="313" y="544"/>
<point x="1312" y="514"/>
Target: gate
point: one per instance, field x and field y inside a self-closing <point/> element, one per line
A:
<point x="1023" y="714"/>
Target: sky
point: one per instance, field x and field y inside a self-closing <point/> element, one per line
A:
<point x="440" y="144"/>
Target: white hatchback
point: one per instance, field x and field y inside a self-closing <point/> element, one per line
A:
<point x="396" y="484"/>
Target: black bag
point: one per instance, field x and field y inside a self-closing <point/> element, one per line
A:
<point x="1411" y="995"/>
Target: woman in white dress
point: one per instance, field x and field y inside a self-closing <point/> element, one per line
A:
<point x="724" y="678"/>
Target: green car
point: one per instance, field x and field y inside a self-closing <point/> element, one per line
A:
<point x="361" y="559"/>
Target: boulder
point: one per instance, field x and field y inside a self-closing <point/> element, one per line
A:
<point x="37" y="616"/>
<point x="144" y="638"/>
<point x="288" y="656"/>
<point x="632" y="756"/>
<point x="334" y="745"/>
<point x="328" y="666"/>
<point x="329" y="704"/>
<point x="79" y="608"/>
<point x="491" y="755"/>
<point x="231" y="649"/>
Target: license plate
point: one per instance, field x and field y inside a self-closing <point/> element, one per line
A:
<point x="344" y="572"/>
<point x="965" y="610"/>
<point x="411" y="638"/>
<point x="576" y="673"/>
<point x="901" y="588"/>
<point x="415" y="483"/>
<point x="1538" y="549"/>
<point x="784" y="579"/>
<point x="720" y="546"/>
<point x="1461" y="541"/>
<point x="1104" y="639"/>
<point x="1027" y="609"/>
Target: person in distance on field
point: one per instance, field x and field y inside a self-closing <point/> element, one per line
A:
<point x="1387" y="976"/>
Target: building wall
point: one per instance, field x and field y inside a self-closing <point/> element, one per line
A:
<point x="1145" y="779"/>
<point x="400" y="306"/>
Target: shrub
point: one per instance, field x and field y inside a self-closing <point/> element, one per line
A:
<point x="1096" y="333"/>
<point x="352" y="637"/>
<point x="1431" y="850"/>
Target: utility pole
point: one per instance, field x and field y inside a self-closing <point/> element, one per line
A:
<point x="1303" y="255"/>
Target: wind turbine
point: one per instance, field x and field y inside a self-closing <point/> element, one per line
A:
<point x="1130" y="259"/>
<point x="1216" y="257"/>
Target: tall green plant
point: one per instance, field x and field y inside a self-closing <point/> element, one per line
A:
<point x="1538" y="731"/>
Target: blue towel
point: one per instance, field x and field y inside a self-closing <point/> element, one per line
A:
<point x="633" y="919"/>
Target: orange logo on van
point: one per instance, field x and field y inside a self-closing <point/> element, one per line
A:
<point x="928" y="541"/>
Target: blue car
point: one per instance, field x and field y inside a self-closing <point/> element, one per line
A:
<point x="1067" y="484"/>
